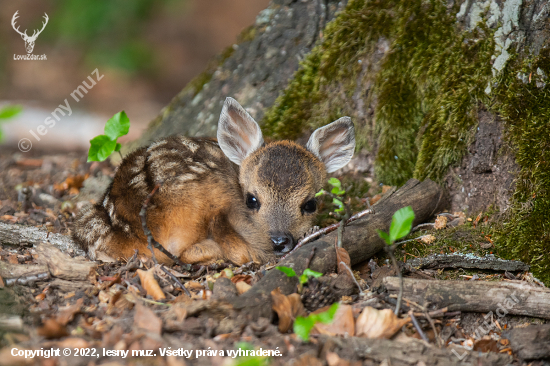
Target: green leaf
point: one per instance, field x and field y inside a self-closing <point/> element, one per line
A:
<point x="100" y="148"/>
<point x="117" y="126"/>
<point x="326" y="316"/>
<point x="335" y="182"/>
<point x="10" y="111"/>
<point x="337" y="191"/>
<point x="401" y="223"/>
<point x="287" y="270"/>
<point x="320" y="193"/>
<point x="311" y="273"/>
<point x="303" y="279"/>
<point x="118" y="146"/>
<point x="302" y="327"/>
<point x="385" y="236"/>
<point x="337" y="202"/>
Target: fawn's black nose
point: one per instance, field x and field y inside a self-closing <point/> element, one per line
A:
<point x="282" y="243"/>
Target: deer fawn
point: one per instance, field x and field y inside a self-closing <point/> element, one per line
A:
<point x="237" y="199"/>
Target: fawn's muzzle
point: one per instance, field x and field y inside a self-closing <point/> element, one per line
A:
<point x="282" y="243"/>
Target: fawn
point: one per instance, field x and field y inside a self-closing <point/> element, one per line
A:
<point x="237" y="199"/>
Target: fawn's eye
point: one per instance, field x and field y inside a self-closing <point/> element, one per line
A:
<point x="310" y="206"/>
<point x="252" y="202"/>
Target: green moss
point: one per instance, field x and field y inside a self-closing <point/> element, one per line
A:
<point x="525" y="107"/>
<point x="428" y="87"/>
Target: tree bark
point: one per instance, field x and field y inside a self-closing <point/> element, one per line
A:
<point x="530" y="343"/>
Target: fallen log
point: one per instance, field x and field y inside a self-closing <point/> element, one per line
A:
<point x="19" y="235"/>
<point x="411" y="353"/>
<point x="507" y="297"/>
<point x="360" y="240"/>
<point x="467" y="261"/>
<point x="530" y="343"/>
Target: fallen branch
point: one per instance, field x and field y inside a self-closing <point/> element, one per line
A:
<point x="513" y="297"/>
<point x="467" y="261"/>
<point x="62" y="266"/>
<point x="19" y="235"/>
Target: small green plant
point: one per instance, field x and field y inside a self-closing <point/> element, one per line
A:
<point x="8" y="112"/>
<point x="304" y="325"/>
<point x="250" y="360"/>
<point x="304" y="277"/>
<point x="335" y="192"/>
<point x="102" y="146"/>
<point x="401" y="225"/>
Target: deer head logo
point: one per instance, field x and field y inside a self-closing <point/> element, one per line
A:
<point x="29" y="41"/>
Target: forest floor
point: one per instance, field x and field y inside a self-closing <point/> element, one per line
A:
<point x="133" y="312"/>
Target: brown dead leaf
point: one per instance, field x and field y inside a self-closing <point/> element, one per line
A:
<point x="67" y="314"/>
<point x="242" y="287"/>
<point x="2" y="285"/>
<point x="12" y="258"/>
<point x="343" y="323"/>
<point x="73" y="183"/>
<point x="73" y="342"/>
<point x="427" y="239"/>
<point x="385" y="189"/>
<point x="476" y="221"/>
<point x="373" y="323"/>
<point x="10" y="218"/>
<point x="149" y="283"/>
<point x="344" y="262"/>
<point x="145" y="318"/>
<point x="440" y="222"/>
<point x="52" y="329"/>
<point x="486" y="345"/>
<point x="239" y="278"/>
<point x="287" y="308"/>
<point x="375" y="199"/>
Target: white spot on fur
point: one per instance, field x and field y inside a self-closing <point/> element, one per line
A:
<point x="161" y="153"/>
<point x="138" y="180"/>
<point x="197" y="168"/>
<point x="157" y="144"/>
<point x="138" y="164"/>
<point x="214" y="151"/>
<point x="211" y="164"/>
<point x="189" y="144"/>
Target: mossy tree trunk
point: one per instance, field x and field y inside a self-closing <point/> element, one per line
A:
<point x="451" y="90"/>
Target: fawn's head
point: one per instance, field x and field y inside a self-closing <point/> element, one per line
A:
<point x="279" y="180"/>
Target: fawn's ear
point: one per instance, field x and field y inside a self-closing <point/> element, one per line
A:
<point x="238" y="134"/>
<point x="334" y="143"/>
